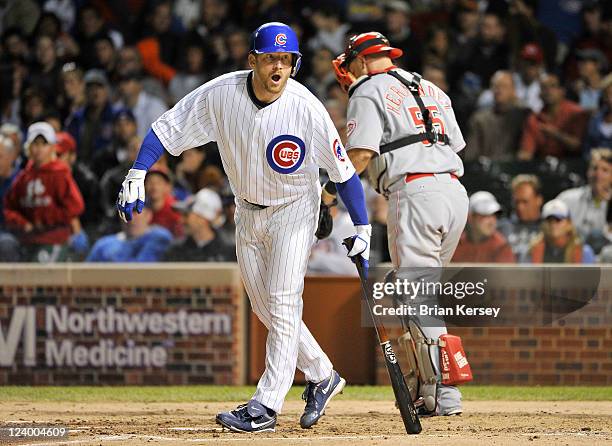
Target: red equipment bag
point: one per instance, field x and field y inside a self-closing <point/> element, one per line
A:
<point x="454" y="365"/>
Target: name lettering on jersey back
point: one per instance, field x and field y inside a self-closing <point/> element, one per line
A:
<point x="395" y="95"/>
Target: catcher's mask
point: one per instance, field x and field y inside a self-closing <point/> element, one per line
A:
<point x="361" y="45"/>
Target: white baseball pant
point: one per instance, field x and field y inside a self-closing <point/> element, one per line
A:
<point x="273" y="246"/>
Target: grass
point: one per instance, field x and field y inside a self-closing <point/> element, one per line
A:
<point x="177" y="394"/>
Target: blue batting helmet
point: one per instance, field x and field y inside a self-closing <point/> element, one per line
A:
<point x="276" y="37"/>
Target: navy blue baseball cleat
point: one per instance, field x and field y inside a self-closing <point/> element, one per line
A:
<point x="250" y="417"/>
<point x="317" y="396"/>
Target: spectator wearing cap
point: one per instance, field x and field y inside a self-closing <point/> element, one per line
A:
<point x="558" y="241"/>
<point x="586" y="90"/>
<point x="124" y="130"/>
<point x="202" y="215"/>
<point x="527" y="77"/>
<point x="86" y="180"/>
<point x="43" y="199"/>
<point x="481" y="242"/>
<point x="521" y="228"/>
<point x="558" y="129"/>
<point x="524" y="28"/>
<point x="158" y="190"/>
<point x="589" y="204"/>
<point x="397" y="30"/>
<point x="599" y="133"/>
<point x="92" y="125"/>
<point x="529" y="70"/>
<point x="139" y="241"/>
<point x="144" y="106"/>
<point x="496" y="133"/>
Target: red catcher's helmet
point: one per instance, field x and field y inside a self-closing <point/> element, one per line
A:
<point x="369" y="43"/>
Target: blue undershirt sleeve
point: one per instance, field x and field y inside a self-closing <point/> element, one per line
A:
<point x="353" y="198"/>
<point x="150" y="151"/>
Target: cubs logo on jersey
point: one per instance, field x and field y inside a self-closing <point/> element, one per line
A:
<point x="285" y="153"/>
<point x="280" y="39"/>
<point x="339" y="151"/>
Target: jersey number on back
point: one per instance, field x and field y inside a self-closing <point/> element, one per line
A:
<point x="436" y="119"/>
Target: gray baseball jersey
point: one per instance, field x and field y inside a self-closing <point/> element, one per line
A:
<point x="383" y="110"/>
<point x="426" y="215"/>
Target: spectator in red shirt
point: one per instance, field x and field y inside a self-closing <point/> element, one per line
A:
<point x="43" y="200"/>
<point x="158" y="189"/>
<point x="481" y="242"/>
<point x="558" y="129"/>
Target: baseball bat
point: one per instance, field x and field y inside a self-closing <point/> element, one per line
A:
<point x="402" y="395"/>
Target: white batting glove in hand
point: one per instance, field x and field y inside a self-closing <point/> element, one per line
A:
<point x="132" y="194"/>
<point x="361" y="243"/>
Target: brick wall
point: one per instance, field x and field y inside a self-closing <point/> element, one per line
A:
<point x="529" y="356"/>
<point x="215" y="357"/>
<point x="575" y="349"/>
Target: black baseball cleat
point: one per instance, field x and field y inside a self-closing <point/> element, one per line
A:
<point x="250" y="417"/>
<point x="317" y="396"/>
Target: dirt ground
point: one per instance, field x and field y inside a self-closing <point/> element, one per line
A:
<point x="351" y="423"/>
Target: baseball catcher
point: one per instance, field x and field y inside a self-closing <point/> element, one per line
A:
<point x="402" y="129"/>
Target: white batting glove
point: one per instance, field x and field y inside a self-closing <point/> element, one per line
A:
<point x="361" y="242"/>
<point x="132" y="194"/>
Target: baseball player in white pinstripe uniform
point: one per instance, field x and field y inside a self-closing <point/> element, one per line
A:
<point x="402" y="130"/>
<point x="273" y="135"/>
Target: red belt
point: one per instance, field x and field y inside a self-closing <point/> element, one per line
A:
<point x="415" y="176"/>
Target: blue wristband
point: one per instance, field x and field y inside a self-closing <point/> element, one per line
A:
<point x="353" y="198"/>
<point x="150" y="151"/>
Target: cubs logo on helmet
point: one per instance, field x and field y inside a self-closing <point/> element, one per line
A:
<point x="285" y="153"/>
<point x="339" y="151"/>
<point x="276" y="37"/>
<point x="280" y="39"/>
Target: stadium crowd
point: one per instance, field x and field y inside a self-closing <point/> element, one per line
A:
<point x="81" y="82"/>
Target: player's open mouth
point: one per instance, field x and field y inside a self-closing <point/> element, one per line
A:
<point x="276" y="77"/>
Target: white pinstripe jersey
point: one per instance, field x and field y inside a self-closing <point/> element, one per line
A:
<point x="270" y="154"/>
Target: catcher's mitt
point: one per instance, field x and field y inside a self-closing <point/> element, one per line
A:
<point x="326" y="223"/>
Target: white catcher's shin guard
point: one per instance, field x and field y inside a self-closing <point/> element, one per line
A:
<point x="423" y="359"/>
